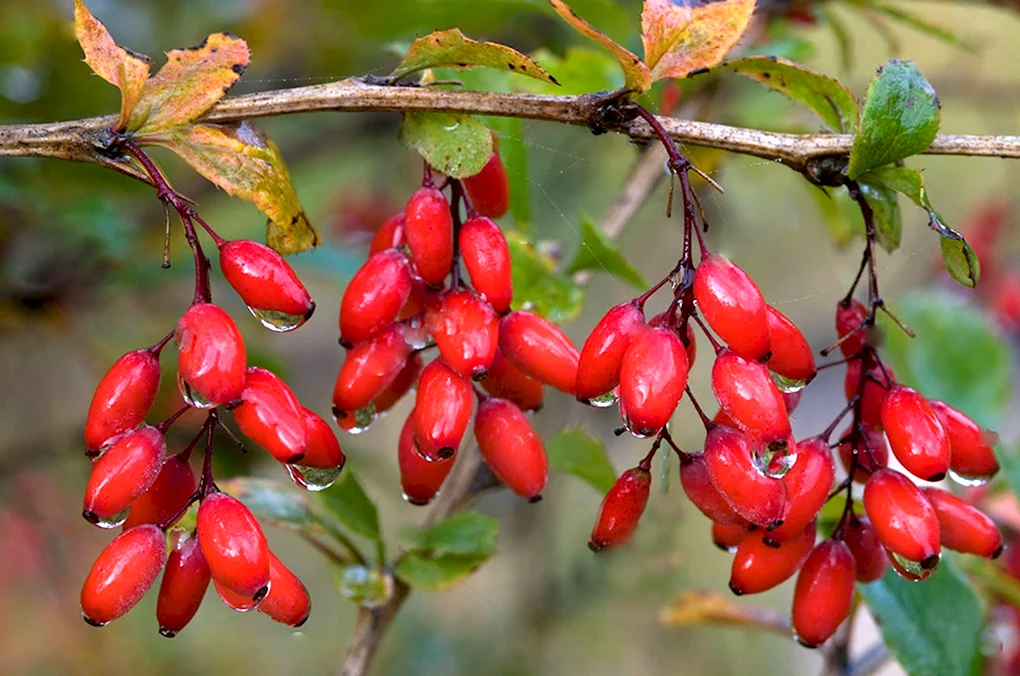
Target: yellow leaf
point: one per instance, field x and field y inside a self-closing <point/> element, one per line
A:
<point x="638" y="77"/>
<point x="680" y="39"/>
<point x="705" y="607"/>
<point x="189" y="84"/>
<point x="452" y="49"/>
<point x="244" y="162"/>
<point x="120" y="67"/>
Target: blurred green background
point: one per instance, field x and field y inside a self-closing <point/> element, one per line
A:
<point x="80" y="283"/>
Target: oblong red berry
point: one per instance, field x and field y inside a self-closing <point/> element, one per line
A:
<point x="466" y="331"/>
<point x="428" y="226"/>
<point x="489" y="189"/>
<point x="598" y="370"/>
<point x="791" y="356"/>
<point x="746" y="392"/>
<point x="963" y="527"/>
<point x="401" y="384"/>
<point x="390" y="234"/>
<point x="869" y="555"/>
<point x="167" y="496"/>
<point x="266" y="283"/>
<point x="442" y="410"/>
<point x="184" y="584"/>
<point x="486" y="255"/>
<point x="850" y="327"/>
<point x="420" y="479"/>
<point x="702" y="492"/>
<point x="873" y="392"/>
<point x="808" y="483"/>
<point x="288" y="601"/>
<point x="916" y="436"/>
<point x="234" y="546"/>
<point x="511" y="447"/>
<point x="733" y="306"/>
<point x="872" y="452"/>
<point x="621" y="509"/>
<point x="971" y="449"/>
<point x="824" y="592"/>
<point x="233" y="600"/>
<point x="374" y="297"/>
<point x="539" y="349"/>
<point x="727" y="536"/>
<point x="270" y="415"/>
<point x="369" y="368"/>
<point x="212" y="358"/>
<point x="653" y="376"/>
<point x="122" y="574"/>
<point x="760" y="499"/>
<point x="761" y="564"/>
<point x="125" y="471"/>
<point x="123" y="398"/>
<point x="322" y="450"/>
<point x="905" y="520"/>
<point x="506" y="381"/>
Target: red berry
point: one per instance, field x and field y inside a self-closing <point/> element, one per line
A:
<point x="915" y="434"/>
<point x="234" y="546"/>
<point x="185" y="582"/>
<point x="233" y="600"/>
<point x="374" y="296"/>
<point x="746" y="392"/>
<point x="466" y="331"/>
<point x="872" y="452"/>
<point x="288" y="601"/>
<point x="122" y="574"/>
<point x="598" y="370"/>
<point x="869" y="555"/>
<point x="266" y="283"/>
<point x="653" y="376"/>
<point x="322" y="450"/>
<point x="442" y="410"/>
<point x="963" y="527"/>
<point x="369" y="368"/>
<point x="875" y="389"/>
<point x="123" y="398"/>
<point x="390" y="234"/>
<point x="728" y="537"/>
<point x="489" y="189"/>
<point x="429" y="231"/>
<point x="849" y="320"/>
<point x="621" y="509"/>
<point x="702" y="492"/>
<point x="824" y="592"/>
<point x="808" y="483"/>
<point x="167" y="496"/>
<point x="761" y="564"/>
<point x="212" y="356"/>
<point x="123" y="473"/>
<point x="511" y="447"/>
<point x="270" y="415"/>
<point x="420" y="478"/>
<point x="905" y="520"/>
<point x="760" y="499"/>
<point x="733" y="306"/>
<point x="539" y="349"/>
<point x="486" y="255"/>
<point x="400" y="385"/>
<point x="972" y="449"/>
<point x="791" y="357"/>
<point x="506" y="381"/>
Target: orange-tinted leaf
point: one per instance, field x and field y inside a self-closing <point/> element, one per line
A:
<point x="452" y="49"/>
<point x="243" y="161"/>
<point x="638" y="77"/>
<point x="692" y="607"/>
<point x="115" y="64"/>
<point x="190" y="83"/>
<point x="679" y="39"/>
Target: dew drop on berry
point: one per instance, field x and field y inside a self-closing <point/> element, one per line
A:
<point x="416" y="335"/>
<point x="965" y="480"/>
<point x="362" y="419"/>
<point x="278" y="321"/>
<point x="913" y="571"/>
<point x="192" y="397"/>
<point x="787" y="385"/>
<point x="115" y="521"/>
<point x="773" y="460"/>
<point x="418" y="503"/>
<point x="603" y="401"/>
<point x="313" y="478"/>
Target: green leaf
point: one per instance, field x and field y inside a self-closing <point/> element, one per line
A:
<point x="579" y="71"/>
<point x="961" y="261"/>
<point x="272" y="502"/>
<point x="933" y="628"/>
<point x="348" y="502"/>
<point x="900" y="118"/>
<point x="597" y="252"/>
<point x="537" y="285"/>
<point x="885" y="207"/>
<point x="452" y="49"/>
<point x="958" y="356"/>
<point x="840" y="214"/>
<point x="463" y="534"/>
<point x="823" y="95"/>
<point x="576" y="452"/>
<point x="436" y="573"/>
<point x="455" y="144"/>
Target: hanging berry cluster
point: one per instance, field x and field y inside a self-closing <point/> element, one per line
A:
<point x="136" y="485"/>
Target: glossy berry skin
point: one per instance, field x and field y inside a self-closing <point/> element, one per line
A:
<point x="369" y="369"/>
<point x="264" y="280"/>
<point x="848" y="321"/>
<point x="442" y="410"/>
<point x="905" y="520"/>
<point x="747" y="394"/>
<point x="539" y="349"/>
<point x="489" y="189"/>
<point x="212" y="358"/>
<point x="123" y="398"/>
<point x="401" y="385"/>
<point x="420" y="479"/>
<point x="374" y="297"/>
<point x="733" y="306"/>
<point x="486" y="255"/>
<point x="700" y="490"/>
<point x="872" y="452"/>
<point x="322" y="450"/>
<point x="621" y="509"/>
<point x="824" y="592"/>
<point x="759" y="499"/>
<point x="506" y="381"/>
<point x="270" y="415"/>
<point x="791" y="357"/>
<point x="598" y="369"/>
<point x="123" y="473"/>
<point x="428" y="227"/>
<point x="760" y="565"/>
<point x="234" y="546"/>
<point x="122" y="574"/>
<point x="288" y="601"/>
<point x="233" y="600"/>
<point x="728" y="537"/>
<point x="869" y="555"/>
<point x="511" y="447"/>
<point x="466" y="331"/>
<point x="168" y="494"/>
<point x="875" y="389"/>
<point x="972" y="454"/>
<point x="390" y="234"/>
<point x="808" y="483"/>
<point x="184" y="584"/>
<point x="963" y="527"/>
<point x="916" y="436"/>
<point x="653" y="375"/>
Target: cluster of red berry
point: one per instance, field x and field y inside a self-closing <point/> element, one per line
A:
<point x="137" y="485"/>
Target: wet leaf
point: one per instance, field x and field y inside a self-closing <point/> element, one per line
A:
<point x="679" y="39"/>
<point x="597" y="252"/>
<point x="455" y="144"/>
<point x="538" y="287"/>
<point x="885" y="208"/>
<point x="347" y="500"/>
<point x="576" y="452"/>
<point x="696" y="607"/>
<point x="436" y="573"/>
<point x="637" y="76"/>
<point x="244" y="162"/>
<point x="463" y="534"/>
<point x="452" y="49"/>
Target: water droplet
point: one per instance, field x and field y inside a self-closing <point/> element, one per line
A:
<point x="914" y="571"/>
<point x="89" y="620"/>
<point x="362" y="418"/>
<point x="451" y="127"/>
<point x="115" y="521"/>
<point x="191" y="397"/>
<point x="278" y="321"/>
<point x="417" y="503"/>
<point x="965" y="480"/>
<point x="313" y="478"/>
<point x="787" y="385"/>
<point x="415" y="334"/>
<point x="773" y="460"/>
<point x="367" y="587"/>
<point x="237" y="602"/>
<point x="603" y="400"/>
